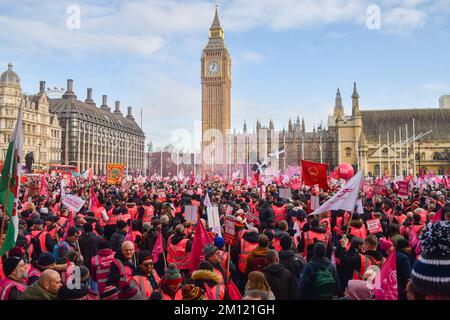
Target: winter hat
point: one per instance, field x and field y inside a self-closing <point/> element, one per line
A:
<point x="38" y="221"/>
<point x="46" y="259"/>
<point x="144" y="255"/>
<point x="219" y="242"/>
<point x="121" y="224"/>
<point x="359" y="290"/>
<point x="64" y="293"/>
<point x="191" y="292"/>
<point x="128" y="293"/>
<point x="146" y="227"/>
<point x="173" y="275"/>
<point x="10" y="264"/>
<point x="209" y="250"/>
<point x="72" y="231"/>
<point x="430" y="274"/>
<point x="110" y="293"/>
<point x="385" y="244"/>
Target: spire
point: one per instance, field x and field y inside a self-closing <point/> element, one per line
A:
<point x="271" y="127"/>
<point x="303" y="125"/>
<point x="298" y="120"/>
<point x="338" y="108"/>
<point x="290" y="125"/>
<point x="245" y="126"/>
<point x="216" y="30"/>
<point x="355" y="101"/>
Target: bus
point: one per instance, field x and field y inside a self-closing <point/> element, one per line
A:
<point x="62" y="169"/>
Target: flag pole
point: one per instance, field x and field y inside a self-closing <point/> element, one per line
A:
<point x="228" y="264"/>
<point x="5" y="206"/>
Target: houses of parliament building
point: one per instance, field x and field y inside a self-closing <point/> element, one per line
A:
<point x="379" y="142"/>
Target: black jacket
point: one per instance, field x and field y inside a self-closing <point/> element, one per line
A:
<point x="293" y="262"/>
<point x="251" y="237"/>
<point x="265" y="214"/>
<point x="404" y="267"/>
<point x="114" y="273"/>
<point x="307" y="280"/>
<point x="301" y="244"/>
<point x="281" y="281"/>
<point x="89" y="247"/>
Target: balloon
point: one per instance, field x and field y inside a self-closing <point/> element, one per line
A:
<point x="346" y="171"/>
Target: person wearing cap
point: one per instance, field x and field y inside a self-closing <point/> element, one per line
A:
<point x="52" y="228"/>
<point x="145" y="279"/>
<point x="191" y="292"/>
<point x="46" y="288"/>
<point x="122" y="267"/>
<point x="45" y="261"/>
<point x="430" y="273"/>
<point x="12" y="286"/>
<point x="170" y="284"/>
<point x="119" y="235"/>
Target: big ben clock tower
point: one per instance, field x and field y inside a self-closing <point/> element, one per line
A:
<point x="216" y="91"/>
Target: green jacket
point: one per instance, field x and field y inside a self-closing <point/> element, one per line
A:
<point x="36" y="292"/>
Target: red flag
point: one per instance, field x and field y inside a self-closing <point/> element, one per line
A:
<point x="233" y="291"/>
<point x="255" y="179"/>
<point x="315" y="173"/>
<point x="94" y="200"/>
<point x="209" y="293"/>
<point x="295" y="183"/>
<point x="201" y="239"/>
<point x="386" y="280"/>
<point x="157" y="248"/>
<point x="437" y="217"/>
<point x="70" y="224"/>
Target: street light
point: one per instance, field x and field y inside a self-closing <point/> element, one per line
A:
<point x="39" y="153"/>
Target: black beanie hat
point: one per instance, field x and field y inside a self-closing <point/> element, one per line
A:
<point x="319" y="249"/>
<point x="10" y="264"/>
<point x="121" y="224"/>
<point x="46" y="259"/>
<point x="64" y="293"/>
<point x="285" y="242"/>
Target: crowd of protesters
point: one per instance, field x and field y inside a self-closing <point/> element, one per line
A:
<point x="281" y="253"/>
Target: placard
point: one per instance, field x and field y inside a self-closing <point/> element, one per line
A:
<point x="252" y="218"/>
<point x="379" y="189"/>
<point x="191" y="213"/>
<point x="285" y="193"/>
<point x="213" y="217"/>
<point x="374" y="226"/>
<point x="229" y="210"/>
<point x="230" y="232"/>
<point x="73" y="202"/>
<point x="403" y="189"/>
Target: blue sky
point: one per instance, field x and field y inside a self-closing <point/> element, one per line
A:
<point x="289" y="56"/>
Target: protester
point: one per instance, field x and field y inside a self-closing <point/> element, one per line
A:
<point x="12" y="286"/>
<point x="46" y="288"/>
<point x="280" y="279"/>
<point x="257" y="281"/>
<point x="122" y="267"/>
<point x="145" y="279"/>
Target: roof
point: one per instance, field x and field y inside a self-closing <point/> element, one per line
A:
<point x="9" y="76"/>
<point x="90" y="113"/>
<point x="216" y="22"/>
<point x="376" y="122"/>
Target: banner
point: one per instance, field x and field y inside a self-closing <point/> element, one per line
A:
<point x="379" y="189"/>
<point x="315" y="173"/>
<point x="403" y="189"/>
<point x="285" y="193"/>
<point x="345" y="198"/>
<point x="115" y="173"/>
<point x="73" y="202"/>
<point x="191" y="213"/>
<point x="229" y="234"/>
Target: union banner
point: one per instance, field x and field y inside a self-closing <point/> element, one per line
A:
<point x="315" y="173"/>
<point x="115" y="173"/>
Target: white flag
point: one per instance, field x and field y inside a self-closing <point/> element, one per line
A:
<point x="236" y="174"/>
<point x="207" y="201"/>
<point x="345" y="198"/>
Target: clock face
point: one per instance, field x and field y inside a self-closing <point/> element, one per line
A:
<point x="213" y="68"/>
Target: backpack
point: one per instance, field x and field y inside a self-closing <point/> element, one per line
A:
<point x="324" y="284"/>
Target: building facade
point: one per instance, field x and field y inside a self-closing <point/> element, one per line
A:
<point x="41" y="128"/>
<point x="94" y="136"/>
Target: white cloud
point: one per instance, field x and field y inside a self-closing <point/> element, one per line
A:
<point x="404" y="20"/>
<point x="252" y="57"/>
<point x="437" y="87"/>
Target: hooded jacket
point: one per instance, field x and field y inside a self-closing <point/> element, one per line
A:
<point x="117" y="239"/>
<point x="281" y="282"/>
<point x="36" y="292"/>
<point x="293" y="262"/>
<point x="256" y="260"/>
<point x="212" y="279"/>
<point x="306" y="291"/>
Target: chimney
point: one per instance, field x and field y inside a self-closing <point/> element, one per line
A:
<point x="130" y="115"/>
<point x="117" y="109"/>
<point x="41" y="87"/>
<point x="89" y="97"/>
<point x="69" y="92"/>
<point x="105" y="103"/>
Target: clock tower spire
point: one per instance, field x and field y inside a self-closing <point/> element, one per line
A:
<point x="216" y="99"/>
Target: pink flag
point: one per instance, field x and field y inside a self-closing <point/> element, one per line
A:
<point x="386" y="280"/>
<point x="209" y="293"/>
<point x="413" y="238"/>
<point x="94" y="200"/>
<point x="157" y="248"/>
<point x="201" y="239"/>
<point x="130" y="236"/>
<point x="233" y="291"/>
<point x="70" y="223"/>
<point x="43" y="189"/>
<point x="437" y="217"/>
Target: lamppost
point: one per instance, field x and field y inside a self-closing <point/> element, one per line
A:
<point x="149" y="150"/>
<point x="39" y="153"/>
